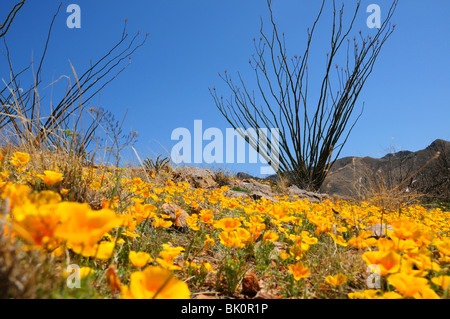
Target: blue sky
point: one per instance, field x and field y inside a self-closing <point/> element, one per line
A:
<point x="166" y="86"/>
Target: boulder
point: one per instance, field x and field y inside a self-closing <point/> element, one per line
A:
<point x="242" y="175"/>
<point x="177" y="214"/>
<point x="303" y="194"/>
<point x="257" y="190"/>
<point x="199" y="177"/>
<point x="379" y="230"/>
<point x="254" y="189"/>
<point x="235" y="194"/>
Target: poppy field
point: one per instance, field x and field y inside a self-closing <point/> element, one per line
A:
<point x="84" y="231"/>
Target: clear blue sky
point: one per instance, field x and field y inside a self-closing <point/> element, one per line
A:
<point x="406" y="98"/>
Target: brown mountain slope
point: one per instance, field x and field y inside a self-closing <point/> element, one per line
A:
<point x="426" y="171"/>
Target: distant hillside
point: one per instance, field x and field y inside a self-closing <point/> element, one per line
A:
<point x="426" y="171"/>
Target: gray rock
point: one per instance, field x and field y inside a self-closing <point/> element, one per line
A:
<point x="379" y="230"/>
<point x="199" y="177"/>
<point x="254" y="189"/>
<point x="177" y="214"/>
<point x="303" y="194"/>
<point x="257" y="190"/>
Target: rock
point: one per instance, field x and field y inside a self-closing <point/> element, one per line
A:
<point x="199" y="177"/>
<point x="379" y="230"/>
<point x="254" y="189"/>
<point x="235" y="194"/>
<point x="250" y="285"/>
<point x="303" y="194"/>
<point x="177" y="214"/>
<point x="242" y="175"/>
<point x="257" y="190"/>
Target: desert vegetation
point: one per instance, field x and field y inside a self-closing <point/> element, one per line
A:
<point x="74" y="227"/>
<point x="135" y="235"/>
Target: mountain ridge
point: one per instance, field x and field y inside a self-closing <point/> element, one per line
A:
<point x="427" y="171"/>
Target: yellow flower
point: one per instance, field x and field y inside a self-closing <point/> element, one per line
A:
<point x="170" y="253"/>
<point x="141" y="212"/>
<point x="255" y="219"/>
<point x="58" y="252"/>
<point x="341" y="229"/>
<point x="444" y="246"/>
<point x="339" y="240"/>
<point x="256" y="228"/>
<point x="192" y="222"/>
<point x="20" y="159"/>
<point x="130" y="234"/>
<point x="387" y="262"/>
<point x="228" y="224"/>
<point x="298" y="249"/>
<point x="422" y="260"/>
<point x="159" y="222"/>
<point x="209" y="267"/>
<point x="206" y="216"/>
<point x="406" y="245"/>
<point x="104" y="250"/>
<point x="358" y="242"/>
<point x="270" y="236"/>
<point x="299" y="271"/>
<point x="284" y="255"/>
<point x="37" y="225"/>
<point x="82" y="227"/>
<point x="366" y="294"/>
<point x="405" y="229"/>
<point x="336" y="280"/>
<point x="371" y="241"/>
<point x="243" y="234"/>
<point x="3" y="176"/>
<point x="51" y="177"/>
<point x="426" y="293"/>
<point x="391" y="295"/>
<point x="167" y="264"/>
<point x="408" y="267"/>
<point x="139" y="259"/>
<point x="230" y="239"/>
<point x="307" y="238"/>
<point x="373" y="294"/>
<point x="86" y="271"/>
<point x="191" y="264"/>
<point x="16" y="193"/>
<point x="407" y="285"/>
<point x="385" y="244"/>
<point x="155" y="282"/>
<point x="442" y="281"/>
<point x="209" y="242"/>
